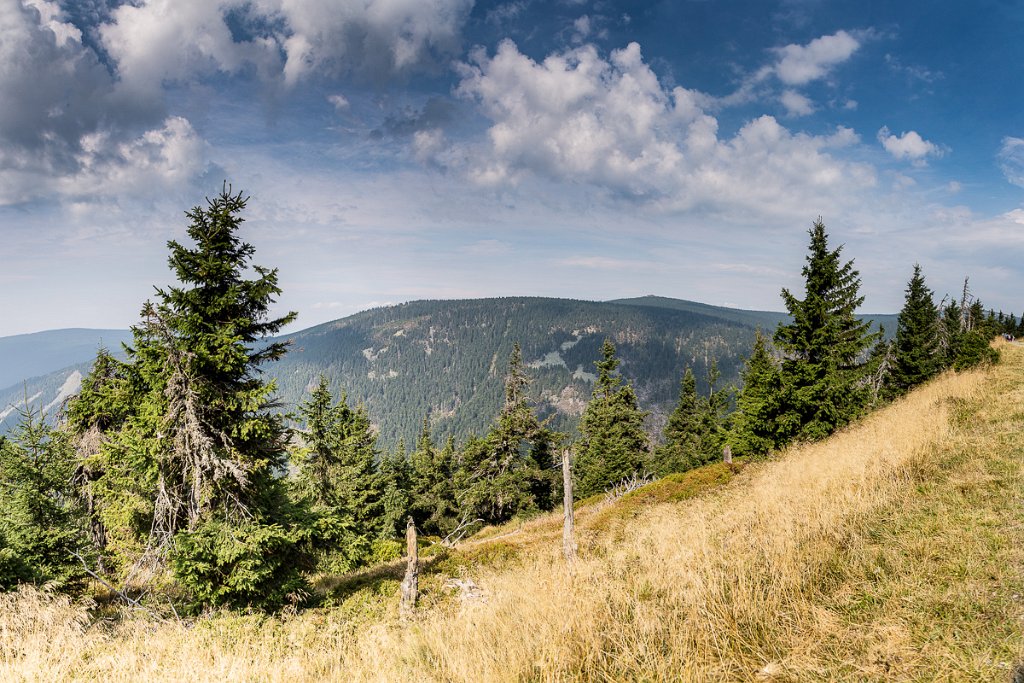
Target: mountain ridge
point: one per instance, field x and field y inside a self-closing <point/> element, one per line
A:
<point x="445" y="359"/>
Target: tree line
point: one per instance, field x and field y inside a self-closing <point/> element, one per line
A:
<point x="171" y="472"/>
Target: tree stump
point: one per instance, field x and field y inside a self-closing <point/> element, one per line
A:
<point x="410" y="584"/>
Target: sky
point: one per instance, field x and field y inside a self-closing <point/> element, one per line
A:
<point x="406" y="149"/>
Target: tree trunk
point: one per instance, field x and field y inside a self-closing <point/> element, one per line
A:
<point x="568" y="529"/>
<point x="410" y="584"/>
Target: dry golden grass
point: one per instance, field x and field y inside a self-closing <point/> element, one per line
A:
<point x="893" y="551"/>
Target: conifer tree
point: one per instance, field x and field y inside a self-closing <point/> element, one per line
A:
<point x="695" y="431"/>
<point x="200" y="437"/>
<point x="395" y="482"/>
<point x="41" y="529"/>
<point x="916" y="355"/>
<point x="614" y="444"/>
<point x="755" y="428"/>
<point x="823" y="346"/>
<point x="509" y="470"/>
<point x="337" y="476"/>
<point x="433" y="503"/>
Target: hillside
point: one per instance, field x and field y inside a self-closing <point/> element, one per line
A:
<point x="25" y="356"/>
<point x="892" y="551"/>
<point x="446" y="359"/>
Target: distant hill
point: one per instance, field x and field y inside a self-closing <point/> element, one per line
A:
<point x="29" y="355"/>
<point x="447" y="359"/>
<point x="766" y="320"/>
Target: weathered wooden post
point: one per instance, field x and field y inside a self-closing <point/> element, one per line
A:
<point x="727" y="455"/>
<point x="410" y="584"/>
<point x="568" y="527"/>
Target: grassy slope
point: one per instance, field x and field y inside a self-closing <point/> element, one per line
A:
<point x="893" y="551"/>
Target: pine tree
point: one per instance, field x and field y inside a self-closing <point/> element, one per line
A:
<point x="755" y="429"/>
<point x="509" y="470"/>
<point x="695" y="431"/>
<point x="395" y="482"/>
<point x="824" y="346"/>
<point x="916" y="354"/>
<point x="433" y="496"/>
<point x="41" y="529"/>
<point x="199" y="438"/>
<point x="337" y="478"/>
<point x="614" y="444"/>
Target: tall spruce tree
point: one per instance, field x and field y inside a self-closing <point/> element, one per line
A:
<point x="755" y="428"/>
<point x="916" y="353"/>
<point x="395" y="481"/>
<point x="433" y="504"/>
<point x="200" y="438"/>
<point x="337" y="477"/>
<point x="824" y="346"/>
<point x="614" y="444"/>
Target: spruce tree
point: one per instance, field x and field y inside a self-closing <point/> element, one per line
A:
<point x="337" y="477"/>
<point x="509" y="470"/>
<point x="916" y="355"/>
<point x="824" y="346"/>
<point x="41" y="528"/>
<point x="200" y="439"/>
<point x="695" y="431"/>
<point x="395" y="482"/>
<point x="614" y="444"/>
<point x="433" y="503"/>
<point x="755" y="424"/>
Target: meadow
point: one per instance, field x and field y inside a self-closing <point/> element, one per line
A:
<point x="891" y="551"/>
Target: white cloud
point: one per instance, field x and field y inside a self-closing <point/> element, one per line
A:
<point x="582" y="28"/>
<point x="65" y="131"/>
<point x="428" y="145"/>
<point x="165" y="158"/>
<point x="339" y="102"/>
<point x="584" y="119"/>
<point x="909" y="145"/>
<point x="157" y="41"/>
<point x="801" y="64"/>
<point x="796" y="104"/>
<point x="1011" y="160"/>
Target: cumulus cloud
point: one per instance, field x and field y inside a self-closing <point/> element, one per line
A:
<point x="579" y="117"/>
<point x="909" y="145"/>
<point x="796" y="104"/>
<point x="801" y="64"/>
<point x="165" y="158"/>
<point x="54" y="90"/>
<point x="156" y="41"/>
<point x="1011" y="160"/>
<point x="65" y="129"/>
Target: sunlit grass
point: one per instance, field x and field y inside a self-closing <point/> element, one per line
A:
<point x="893" y="551"/>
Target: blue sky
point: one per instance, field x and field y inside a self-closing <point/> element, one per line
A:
<point x="405" y="149"/>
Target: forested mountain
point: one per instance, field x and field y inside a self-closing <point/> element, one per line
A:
<point x="446" y="359"/>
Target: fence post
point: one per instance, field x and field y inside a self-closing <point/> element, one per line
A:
<point x="410" y="584"/>
<point x="568" y="528"/>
